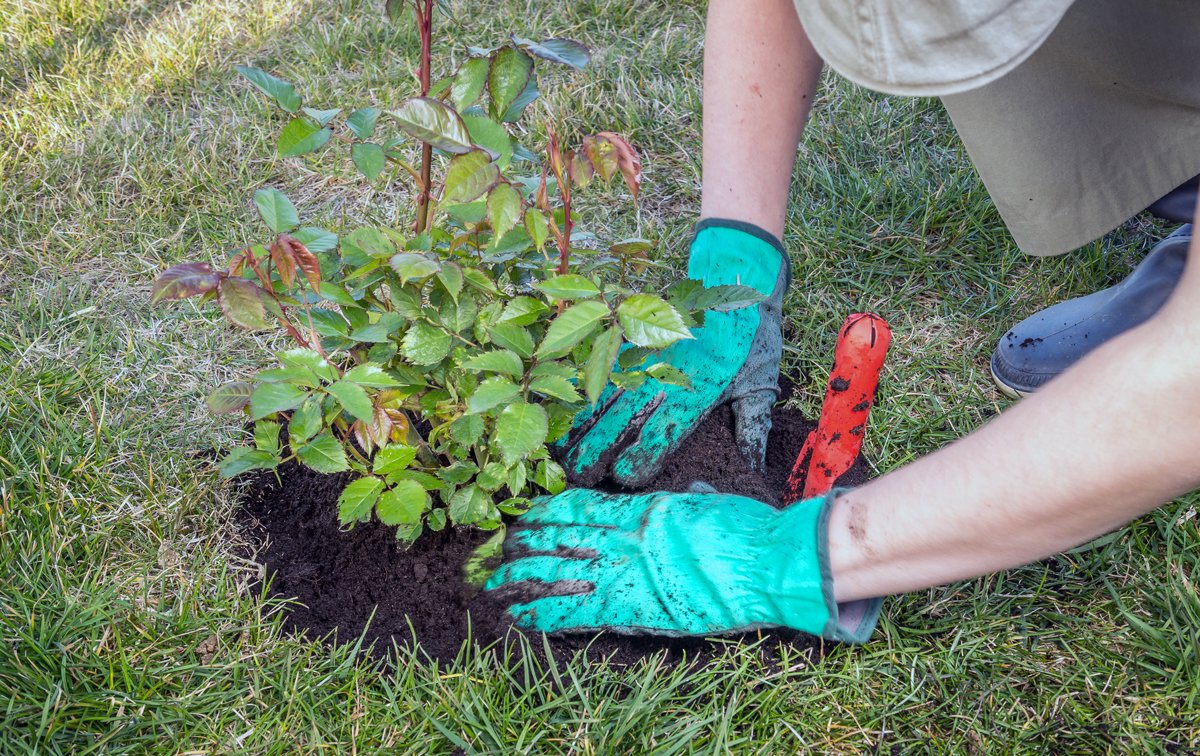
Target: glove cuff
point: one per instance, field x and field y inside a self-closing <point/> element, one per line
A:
<point x="810" y="579"/>
<point x="733" y="252"/>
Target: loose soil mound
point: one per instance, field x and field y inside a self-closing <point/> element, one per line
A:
<point x="343" y="580"/>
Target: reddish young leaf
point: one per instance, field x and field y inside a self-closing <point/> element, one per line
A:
<point x="610" y="153"/>
<point x="306" y="261"/>
<point x="580" y="168"/>
<point x="241" y="300"/>
<point x="285" y="263"/>
<point x="183" y="281"/>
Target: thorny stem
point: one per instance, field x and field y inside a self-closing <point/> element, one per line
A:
<point x="424" y="12"/>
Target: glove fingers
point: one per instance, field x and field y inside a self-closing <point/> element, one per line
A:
<point x="752" y="426"/>
<point x="587" y="458"/>
<point x="542" y="569"/>
<point x="663" y="432"/>
<point x="570" y="541"/>
<point x="584" y="507"/>
<point x="587" y="418"/>
<point x="593" y="612"/>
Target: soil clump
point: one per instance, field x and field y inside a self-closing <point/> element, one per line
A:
<point x="340" y="581"/>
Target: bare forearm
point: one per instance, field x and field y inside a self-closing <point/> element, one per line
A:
<point x="760" y="74"/>
<point x="1110" y="439"/>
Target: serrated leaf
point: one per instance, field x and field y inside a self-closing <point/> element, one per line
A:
<point x="512" y="336"/>
<point x="323" y="454"/>
<point x="467" y="429"/>
<point x="283" y="93"/>
<point x="306" y="421"/>
<point x="650" y="322"/>
<point x="469" y="82"/>
<point x="469" y="505"/>
<point x="434" y="123"/>
<point x="504" y="208"/>
<point x="353" y="399"/>
<point x="491" y="136"/>
<point x="522" y="311"/>
<point x="568" y="286"/>
<point x="322" y="117"/>
<point x="483" y="561"/>
<point x="451" y="277"/>
<point x="380" y="331"/>
<point x="555" y="387"/>
<point x="630" y="247"/>
<point x="567" y="52"/>
<point x="479" y="280"/>
<point x="537" y="227"/>
<point x="229" y="397"/>
<point x="242" y="303"/>
<point x="669" y="374"/>
<point x="517" y="108"/>
<point x="269" y="398"/>
<point x="358" y="499"/>
<point x="436" y="520"/>
<point x="469" y="176"/>
<point x="610" y="153"/>
<point x="630" y="381"/>
<point x="496" y="361"/>
<point x="266" y="436"/>
<point x="425" y="344"/>
<point x="363" y="245"/>
<point x="369" y="159"/>
<point x="403" y="504"/>
<point x="301" y="136"/>
<point x="517" y="475"/>
<point x="550" y="476"/>
<point x="491" y="393"/>
<point x="727" y="297"/>
<point x="520" y="430"/>
<point x="276" y="209"/>
<point x="633" y="356"/>
<point x="458" y="473"/>
<point x="411" y="266"/>
<point x="491" y="477"/>
<point x="243" y="459"/>
<point x="309" y="360"/>
<point x="371" y="376"/>
<point x="510" y="72"/>
<point x="362" y="122"/>
<point x="600" y="362"/>
<point x="574" y="325"/>
<point x="183" y="281"/>
<point x="393" y="458"/>
<point x="560" y="369"/>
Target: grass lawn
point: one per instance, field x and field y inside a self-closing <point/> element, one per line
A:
<point x="126" y="621"/>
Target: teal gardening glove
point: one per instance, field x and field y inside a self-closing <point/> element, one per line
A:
<point x="675" y="564"/>
<point x="734" y="357"/>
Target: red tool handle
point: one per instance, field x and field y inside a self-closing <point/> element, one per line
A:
<point x="831" y="449"/>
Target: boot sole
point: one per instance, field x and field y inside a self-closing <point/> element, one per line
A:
<point x="1009" y="391"/>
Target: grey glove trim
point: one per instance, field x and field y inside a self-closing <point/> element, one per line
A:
<point x="853" y="621"/>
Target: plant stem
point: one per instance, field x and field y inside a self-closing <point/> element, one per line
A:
<point x="424" y="12"/>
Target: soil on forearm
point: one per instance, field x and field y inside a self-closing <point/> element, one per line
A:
<point x="340" y="582"/>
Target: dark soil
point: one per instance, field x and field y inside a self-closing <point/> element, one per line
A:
<point x="342" y="580"/>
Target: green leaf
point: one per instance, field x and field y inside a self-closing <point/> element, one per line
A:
<point x="310" y="360"/>
<point x="528" y="95"/>
<point x="557" y="369"/>
<point x="266" y="436"/>
<point x="630" y="381"/>
<point x="491" y="477"/>
<point x="568" y="286"/>
<point x="650" y="322"/>
<point x="243" y="459"/>
<point x="301" y="136"/>
<point x="436" y="520"/>
<point x="451" y="276"/>
<point x="479" y="280"/>
<point x="425" y="344"/>
<point x="496" y="361"/>
<point x="365" y="244"/>
<point x="467" y="429"/>
<point x="537" y="227"/>
<point x="317" y="240"/>
<point x="280" y="91"/>
<point x="491" y="136"/>
<point x="362" y="122"/>
<point x="276" y="210"/>
<point x="510" y="72"/>
<point x="555" y="387"/>
<point x="574" y="325"/>
<point x="469" y="82"/>
<point x="469" y="505"/>
<point x="522" y="311"/>
<point x="458" y="473"/>
<point x="403" y="504"/>
<point x="512" y="336"/>
<point x="379" y="331"/>
<point x="568" y="52"/>
<point x="306" y="421"/>
<point x="483" y="561"/>
<point x="355" y="401"/>
<point x="269" y="398"/>
<point x="550" y="476"/>
<point x="369" y="375"/>
<point x="600" y="362"/>
<point x="323" y="454"/>
<point x="183" y="281"/>
<point x="520" y="430"/>
<point x="434" y="123"/>
<point x="727" y="297"/>
<point x="393" y="458"/>
<point x="242" y="303"/>
<point x="469" y="176"/>
<point x="504" y="208"/>
<point x="369" y="159"/>
<point x="517" y="476"/>
<point x="358" y="499"/>
<point x="492" y="393"/>
<point x="631" y="247"/>
<point x="669" y="374"/>
<point x="411" y="266"/>
<point x="229" y="397"/>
